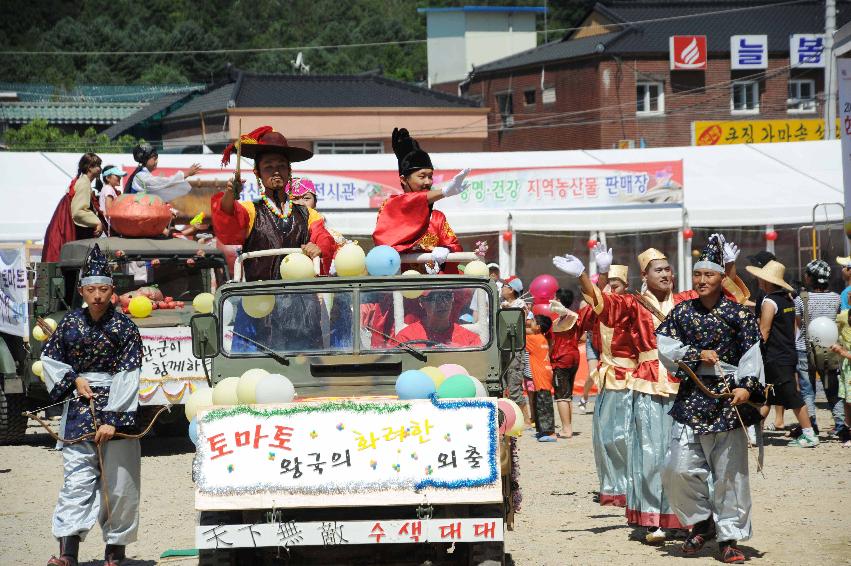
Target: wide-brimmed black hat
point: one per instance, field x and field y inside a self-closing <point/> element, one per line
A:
<point x="408" y="152"/>
<point x="266" y="140"/>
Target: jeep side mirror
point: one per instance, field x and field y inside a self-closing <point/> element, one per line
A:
<point x="511" y="330"/>
<point x="205" y="336"/>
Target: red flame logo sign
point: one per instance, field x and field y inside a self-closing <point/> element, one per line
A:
<point x="688" y="52"/>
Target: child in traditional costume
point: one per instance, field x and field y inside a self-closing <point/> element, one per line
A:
<point x="143" y="180"/>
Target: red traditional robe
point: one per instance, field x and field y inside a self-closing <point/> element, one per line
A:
<point x="459" y="337"/>
<point x="408" y="224"/>
<point x="234" y="229"/>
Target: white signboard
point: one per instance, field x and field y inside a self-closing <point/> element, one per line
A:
<point x="277" y="531"/>
<point x="806" y="51"/>
<point x="169" y="370"/>
<point x="749" y="52"/>
<point x="14" y="318"/>
<point x="843" y="71"/>
<point x="348" y="453"/>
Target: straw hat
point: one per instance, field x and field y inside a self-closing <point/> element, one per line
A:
<point x="844" y="261"/>
<point x="772" y="272"/>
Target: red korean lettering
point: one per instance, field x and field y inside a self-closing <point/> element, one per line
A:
<point x="413" y="530"/>
<point x="485" y="530"/>
<point x="377" y="532"/>
<point x="283" y="435"/>
<point x="219" y="445"/>
<point x="451" y="531"/>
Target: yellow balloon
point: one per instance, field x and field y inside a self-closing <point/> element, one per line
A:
<point x="38" y="369"/>
<point x="140" y="306"/>
<point x="350" y="260"/>
<point x="435" y="374"/>
<point x="203" y="302"/>
<point x="412" y="294"/>
<point x="258" y="306"/>
<point x="201" y="399"/>
<point x="519" y="420"/>
<point x="247" y="388"/>
<point x="477" y="268"/>
<point x="297" y="266"/>
<point x="39" y="334"/>
<point x="224" y="393"/>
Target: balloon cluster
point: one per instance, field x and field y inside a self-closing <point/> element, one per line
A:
<point x="255" y="386"/>
<point x="543" y="290"/>
<point x="449" y="381"/>
<point x="40" y="334"/>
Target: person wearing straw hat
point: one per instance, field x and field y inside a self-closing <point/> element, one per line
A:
<point x="705" y="472"/>
<point x="777" y="326"/>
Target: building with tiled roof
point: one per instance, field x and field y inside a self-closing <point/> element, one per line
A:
<point x="610" y="83"/>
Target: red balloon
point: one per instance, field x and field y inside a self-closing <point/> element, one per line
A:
<point x="544" y="309"/>
<point x="688" y="233"/>
<point x="591" y="244"/>
<point x="507" y="236"/>
<point x="771" y="236"/>
<point x="544" y="287"/>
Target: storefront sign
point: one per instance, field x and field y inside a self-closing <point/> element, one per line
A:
<point x="749" y="52"/>
<point x="757" y="131"/>
<point x="806" y="51"/>
<point x="688" y="52"/>
<point x="14" y="318"/>
<point x="843" y="71"/>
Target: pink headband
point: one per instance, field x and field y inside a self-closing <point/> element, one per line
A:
<point x="299" y="186"/>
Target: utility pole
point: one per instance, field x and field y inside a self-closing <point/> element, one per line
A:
<point x="829" y="70"/>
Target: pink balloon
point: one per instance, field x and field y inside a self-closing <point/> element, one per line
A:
<point x="544" y="287"/>
<point x="544" y="310"/>
<point x="509" y="414"/>
<point x="453" y="369"/>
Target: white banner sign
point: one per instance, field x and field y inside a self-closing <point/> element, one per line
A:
<point x="278" y="532"/>
<point x="749" y="52"/>
<point x="843" y="71"/>
<point x="806" y="51"/>
<point x="350" y="451"/>
<point x="169" y="370"/>
<point x="14" y="312"/>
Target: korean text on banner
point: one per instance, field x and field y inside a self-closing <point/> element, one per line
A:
<point x="729" y="132"/>
<point x="14" y="312"/>
<point x="169" y="370"/>
<point x="843" y="71"/>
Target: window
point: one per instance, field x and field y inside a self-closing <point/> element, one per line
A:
<point x="504" y="105"/>
<point x="339" y="147"/>
<point x="744" y="97"/>
<point x="529" y="97"/>
<point x="802" y="96"/>
<point x="649" y="98"/>
<point x="548" y="95"/>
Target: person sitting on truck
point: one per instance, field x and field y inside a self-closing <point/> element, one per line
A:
<point x="302" y="191"/>
<point x="143" y="180"/>
<point x="408" y="222"/>
<point x="273" y="221"/>
<point x="438" y="325"/>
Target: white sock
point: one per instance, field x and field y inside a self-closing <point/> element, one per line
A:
<point x="808" y="432"/>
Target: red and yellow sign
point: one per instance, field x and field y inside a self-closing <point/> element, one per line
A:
<point x="758" y="131"/>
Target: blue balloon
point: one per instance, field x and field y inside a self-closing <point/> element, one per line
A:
<point x="193" y="431"/>
<point x="414" y="384"/>
<point x="383" y="260"/>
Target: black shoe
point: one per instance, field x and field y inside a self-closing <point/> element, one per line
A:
<point x="113" y="555"/>
<point x="796" y="431"/>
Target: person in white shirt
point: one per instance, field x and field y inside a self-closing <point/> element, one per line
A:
<point x="110" y="191"/>
<point x="142" y="180"/>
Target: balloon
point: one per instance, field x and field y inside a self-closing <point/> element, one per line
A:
<point x="38" y="369"/>
<point x="823" y="331"/>
<point x="258" y="306"/>
<point x="477" y="268"/>
<point x="481" y="390"/>
<point x="453" y="369"/>
<point x="193" y="431"/>
<point x="297" y="266"/>
<point x="247" y="387"/>
<point x="350" y="260"/>
<point x="224" y="393"/>
<point x="274" y="388"/>
<point x="227" y="312"/>
<point x="414" y="384"/>
<point x="435" y="374"/>
<point x="40" y="334"/>
<point x="509" y="415"/>
<point x="519" y="419"/>
<point x="457" y="387"/>
<point x="140" y="306"/>
<point x="201" y="399"/>
<point x="543" y="287"/>
<point x="203" y="302"/>
<point x="544" y="309"/>
<point x="383" y="260"/>
<point x="412" y="294"/>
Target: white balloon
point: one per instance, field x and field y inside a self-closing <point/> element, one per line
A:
<point x="227" y="313"/>
<point x="202" y="398"/>
<point x="247" y="388"/>
<point x="274" y="388"/>
<point x="823" y="331"/>
<point x="481" y="390"/>
<point x="224" y="393"/>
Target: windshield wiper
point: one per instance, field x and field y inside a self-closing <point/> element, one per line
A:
<point x="413" y="351"/>
<point x="272" y="353"/>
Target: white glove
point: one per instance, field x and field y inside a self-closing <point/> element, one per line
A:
<point x="457" y="186"/>
<point x="602" y="257"/>
<point x="559" y="308"/>
<point x="439" y="255"/>
<point x="731" y="253"/>
<point x="332" y="271"/>
<point x="569" y="264"/>
<point x="432" y="268"/>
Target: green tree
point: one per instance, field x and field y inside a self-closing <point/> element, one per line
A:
<point x="38" y="136"/>
<point x="160" y="73"/>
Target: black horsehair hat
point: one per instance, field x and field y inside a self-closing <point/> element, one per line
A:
<point x="711" y="257"/>
<point x="96" y="270"/>
<point x="411" y="158"/>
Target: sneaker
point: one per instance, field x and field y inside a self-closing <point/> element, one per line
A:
<point x="547" y="439"/>
<point x="730" y="554"/>
<point x="804" y="441"/>
<point x="654" y="536"/>
<point x="583" y="406"/>
<point x="770" y="427"/>
<point x="847" y="444"/>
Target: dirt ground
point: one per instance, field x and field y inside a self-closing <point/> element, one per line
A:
<point x="801" y="512"/>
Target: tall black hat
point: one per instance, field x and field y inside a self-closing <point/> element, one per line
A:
<point x="712" y="255"/>
<point x="96" y="270"/>
<point x="411" y="158"/>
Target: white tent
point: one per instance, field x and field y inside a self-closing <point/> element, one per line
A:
<point x="735" y="185"/>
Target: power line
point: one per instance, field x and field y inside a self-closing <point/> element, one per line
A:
<point x="378" y="43"/>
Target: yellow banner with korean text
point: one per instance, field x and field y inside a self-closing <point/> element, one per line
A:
<point x="727" y="132"/>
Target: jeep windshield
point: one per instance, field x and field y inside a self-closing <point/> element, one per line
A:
<point x="296" y="321"/>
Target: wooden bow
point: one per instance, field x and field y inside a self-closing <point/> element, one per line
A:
<point x="91" y="435"/>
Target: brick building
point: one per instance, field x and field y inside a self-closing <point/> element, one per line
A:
<point x="610" y="83"/>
